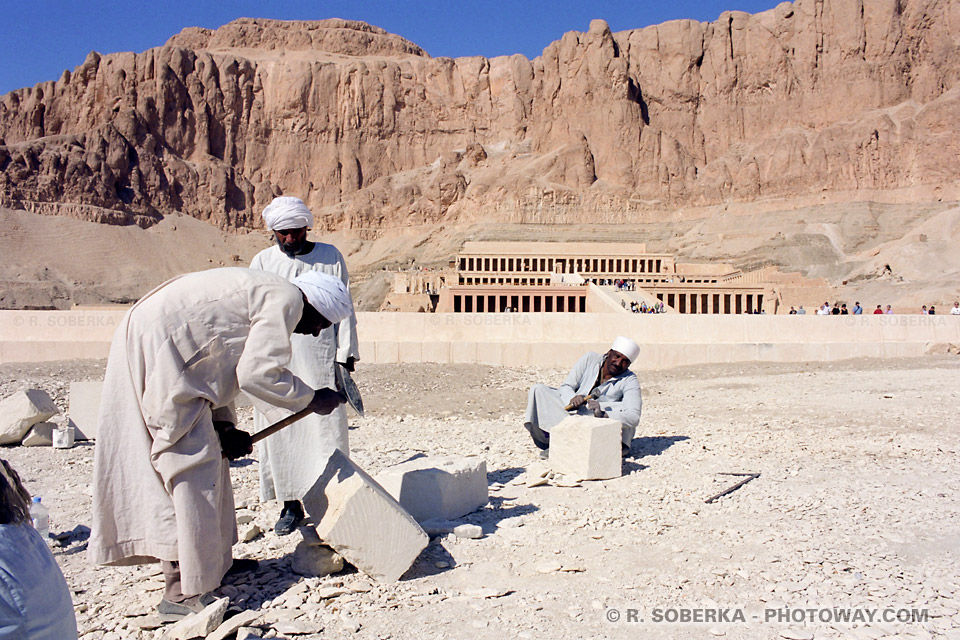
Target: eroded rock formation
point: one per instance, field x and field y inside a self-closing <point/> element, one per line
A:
<point x="812" y="96"/>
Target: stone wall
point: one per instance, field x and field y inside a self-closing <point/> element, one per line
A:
<point x="557" y="340"/>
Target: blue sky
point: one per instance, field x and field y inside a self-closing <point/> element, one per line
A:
<point x="41" y="38"/>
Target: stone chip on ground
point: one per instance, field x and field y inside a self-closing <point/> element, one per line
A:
<point x="200" y="624"/>
<point x="314" y="559"/>
<point x="230" y="626"/>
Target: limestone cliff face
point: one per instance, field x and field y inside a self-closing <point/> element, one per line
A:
<point x="813" y="96"/>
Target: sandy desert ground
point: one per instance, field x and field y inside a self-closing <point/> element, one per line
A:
<point x="857" y="509"/>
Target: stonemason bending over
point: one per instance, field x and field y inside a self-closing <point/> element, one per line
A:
<point x="161" y="484"/>
<point x="293" y="459"/>
<point x="599" y="385"/>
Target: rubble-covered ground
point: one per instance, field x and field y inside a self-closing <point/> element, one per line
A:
<point x="856" y="512"/>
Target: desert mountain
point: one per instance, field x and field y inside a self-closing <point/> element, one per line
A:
<point x="840" y="97"/>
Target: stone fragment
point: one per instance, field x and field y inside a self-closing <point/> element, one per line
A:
<point x="297" y="627"/>
<point x="363" y="522"/>
<point x="39" y="435"/>
<point x="586" y="448"/>
<point x="200" y="624"/>
<point x="312" y="558"/>
<point x="442" y="487"/>
<point x="468" y="531"/>
<point x="21" y="411"/>
<point x="250" y="533"/>
<point x="248" y="633"/>
<point x="231" y="626"/>
<point x="244" y="517"/>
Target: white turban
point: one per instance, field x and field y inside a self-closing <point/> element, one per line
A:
<point x="627" y="347"/>
<point x="286" y="213"/>
<point x="327" y="294"/>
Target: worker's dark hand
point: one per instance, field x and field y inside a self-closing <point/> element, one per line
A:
<point x="325" y="400"/>
<point x="349" y="364"/>
<point x="235" y="443"/>
<point x="577" y="400"/>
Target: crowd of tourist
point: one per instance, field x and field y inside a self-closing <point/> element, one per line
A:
<point x="840" y="309"/>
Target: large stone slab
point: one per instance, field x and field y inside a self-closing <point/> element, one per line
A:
<point x="84" y="410"/>
<point x="438" y="488"/>
<point x="586" y="448"/>
<point x="21" y="411"/>
<point x="362" y="522"/>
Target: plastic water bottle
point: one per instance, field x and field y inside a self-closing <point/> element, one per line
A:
<point x="41" y="518"/>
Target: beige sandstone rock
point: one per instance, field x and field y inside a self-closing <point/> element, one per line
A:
<point x="362" y="522"/>
<point x="200" y="624"/>
<point x="39" y="435"/>
<point x="312" y="558"/>
<point x="439" y="487"/>
<point x="21" y="411"/>
<point x="586" y="448"/>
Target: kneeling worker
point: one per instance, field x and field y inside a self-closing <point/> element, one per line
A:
<point x="599" y="385"/>
<point x="161" y="484"/>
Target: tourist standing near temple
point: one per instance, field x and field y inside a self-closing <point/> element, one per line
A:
<point x="292" y="460"/>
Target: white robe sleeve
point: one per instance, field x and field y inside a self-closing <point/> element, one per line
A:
<point x="262" y="371"/>
<point x="572" y="384"/>
<point x="627" y="410"/>
<point x="347" y="346"/>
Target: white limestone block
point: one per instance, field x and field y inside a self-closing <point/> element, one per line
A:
<point x="362" y="522"/>
<point x="39" y="435"/>
<point x="438" y="488"/>
<point x="586" y="448"/>
<point x="84" y="410"/>
<point x="21" y="411"/>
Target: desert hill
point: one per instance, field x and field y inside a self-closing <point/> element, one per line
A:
<point x="657" y="132"/>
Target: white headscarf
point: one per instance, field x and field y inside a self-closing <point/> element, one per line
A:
<point x="327" y="294"/>
<point x="627" y="347"/>
<point x="287" y="212"/>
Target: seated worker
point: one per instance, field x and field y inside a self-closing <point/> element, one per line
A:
<point x="598" y="385"/>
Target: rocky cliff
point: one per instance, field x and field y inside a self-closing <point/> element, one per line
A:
<point x="834" y="97"/>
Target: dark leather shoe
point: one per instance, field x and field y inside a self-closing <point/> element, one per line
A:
<point x="290" y="518"/>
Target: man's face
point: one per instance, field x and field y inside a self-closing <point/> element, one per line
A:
<point x="616" y="363"/>
<point x="311" y="321"/>
<point x="291" y="241"/>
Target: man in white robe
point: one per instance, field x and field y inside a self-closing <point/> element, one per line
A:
<point x="161" y="485"/>
<point x="292" y="460"/>
<point x="598" y="385"/>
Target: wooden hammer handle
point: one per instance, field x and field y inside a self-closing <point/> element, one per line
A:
<point x="280" y="424"/>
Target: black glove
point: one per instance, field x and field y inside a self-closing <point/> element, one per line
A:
<point x="326" y="400"/>
<point x="349" y="364"/>
<point x="234" y="442"/>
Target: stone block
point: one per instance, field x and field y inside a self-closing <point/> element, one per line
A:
<point x="362" y="521"/>
<point x="438" y="488"/>
<point x="21" y="411"/>
<point x="84" y="410"/>
<point x="586" y="448"/>
<point x="39" y="435"/>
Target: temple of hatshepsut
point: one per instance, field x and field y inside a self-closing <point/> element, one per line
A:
<point x="585" y="277"/>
